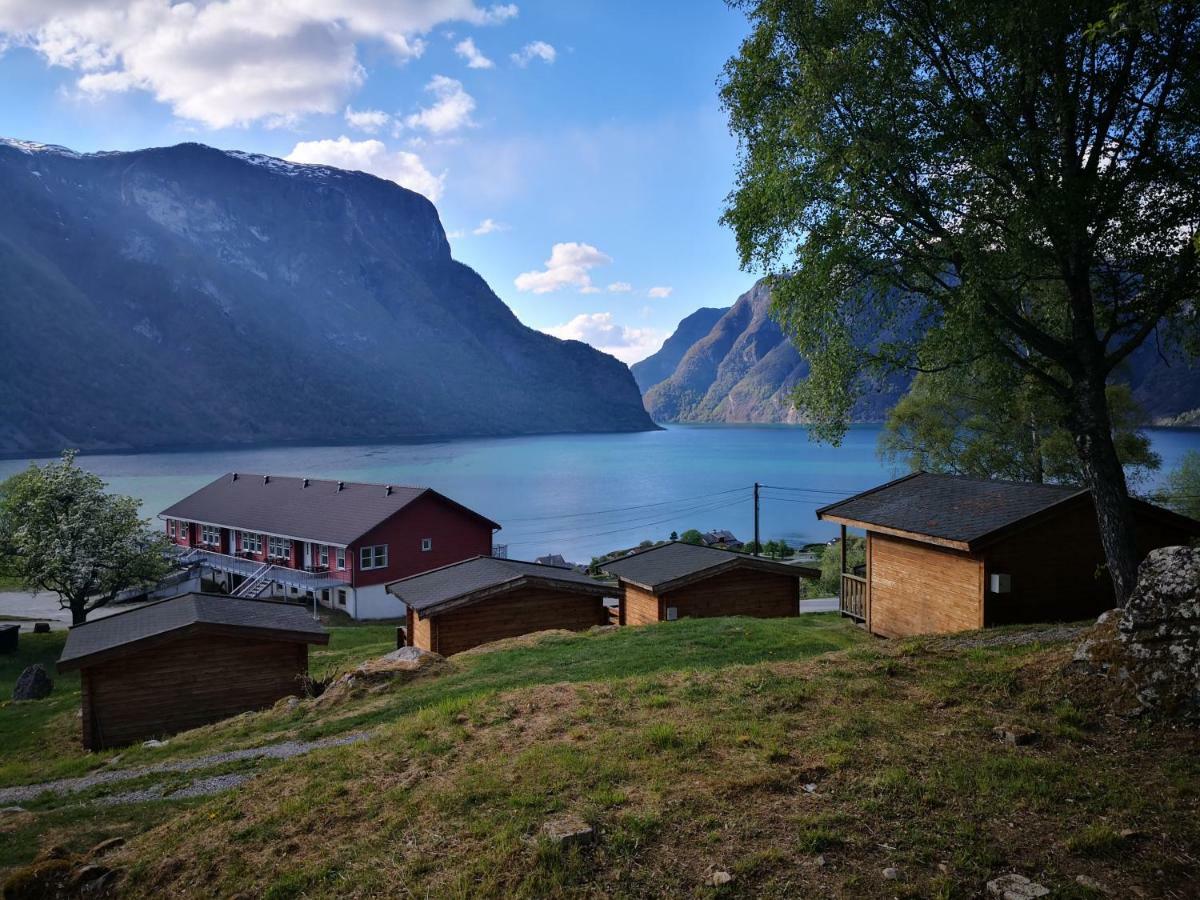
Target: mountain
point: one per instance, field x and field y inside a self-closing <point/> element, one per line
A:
<point x="659" y="366"/>
<point x="744" y="370"/>
<point x="192" y="296"/>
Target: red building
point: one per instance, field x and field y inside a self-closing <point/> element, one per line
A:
<point x="338" y="542"/>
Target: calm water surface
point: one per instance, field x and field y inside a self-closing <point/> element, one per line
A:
<point x="578" y="495"/>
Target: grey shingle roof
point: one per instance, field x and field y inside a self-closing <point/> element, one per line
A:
<point x="467" y="581"/>
<point x="284" y="506"/>
<point x="124" y="629"/>
<point x="949" y="507"/>
<point x="671" y="565"/>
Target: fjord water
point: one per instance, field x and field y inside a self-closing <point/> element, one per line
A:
<point x="578" y="495"/>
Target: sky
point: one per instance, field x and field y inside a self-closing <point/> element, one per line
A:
<point x="576" y="149"/>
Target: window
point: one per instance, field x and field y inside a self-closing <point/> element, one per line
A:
<point x="324" y="556"/>
<point x="251" y="543"/>
<point x="426" y="544"/>
<point x="341" y="598"/>
<point x="325" y="596"/>
<point x="373" y="557"/>
<point x="210" y="535"/>
<point x="341" y="557"/>
<point x="279" y="547"/>
<point x="171" y="527"/>
<point x="183" y="531"/>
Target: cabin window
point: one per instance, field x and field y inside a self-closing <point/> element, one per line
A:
<point x="210" y="535"/>
<point x="325" y="596"/>
<point x="183" y="531"/>
<point x="341" y="558"/>
<point x="341" y="598"/>
<point x="251" y="543"/>
<point x="171" y="527"/>
<point x="373" y="557"/>
<point x="426" y="544"/>
<point x="324" y="556"/>
<point x="280" y="547"/>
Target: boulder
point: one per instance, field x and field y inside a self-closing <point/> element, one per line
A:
<point x="567" y="830"/>
<point x="1152" y="645"/>
<point x="1016" y="887"/>
<point x="33" y="683"/>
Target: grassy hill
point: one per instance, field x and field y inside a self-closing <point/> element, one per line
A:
<point x="799" y="756"/>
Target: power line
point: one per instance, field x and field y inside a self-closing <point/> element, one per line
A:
<point x="625" y="524"/>
<point x="631" y="526"/>
<point x="600" y="512"/>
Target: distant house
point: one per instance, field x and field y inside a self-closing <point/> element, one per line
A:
<point x="554" y="559"/>
<point x="479" y="600"/>
<point x="676" y="580"/>
<point x="185" y="662"/>
<point x="946" y="553"/>
<point x="721" y="538"/>
<point x="339" y="542"/>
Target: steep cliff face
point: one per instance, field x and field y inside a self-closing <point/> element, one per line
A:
<point x="659" y="366"/>
<point x="187" y="295"/>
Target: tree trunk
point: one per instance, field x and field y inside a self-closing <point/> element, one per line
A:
<point x="1105" y="476"/>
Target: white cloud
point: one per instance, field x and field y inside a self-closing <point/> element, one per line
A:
<point x="487" y="226"/>
<point x="475" y="60"/>
<point x="534" y="50"/>
<point x="368" y="120"/>
<point x="406" y="169"/>
<point x="620" y="287"/>
<point x="660" y="292"/>
<point x="451" y="110"/>
<point x="598" y="329"/>
<point x="567" y="266"/>
<point x="230" y="62"/>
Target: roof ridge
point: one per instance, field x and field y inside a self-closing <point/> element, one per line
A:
<point x="133" y="609"/>
<point x="382" y="484"/>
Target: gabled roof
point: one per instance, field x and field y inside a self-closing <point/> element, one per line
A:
<point x="481" y="577"/>
<point x="554" y="559"/>
<point x="126" y="631"/>
<point x="673" y="565"/>
<point x="960" y="512"/>
<point x="307" y="509"/>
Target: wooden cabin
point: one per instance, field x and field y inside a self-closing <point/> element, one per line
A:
<point x="484" y="599"/>
<point x="186" y="662"/>
<point x="676" y="580"/>
<point x="946" y="553"/>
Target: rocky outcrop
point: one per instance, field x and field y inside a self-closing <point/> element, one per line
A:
<point x="33" y="683"/>
<point x="1151" y="647"/>
<point x="659" y="366"/>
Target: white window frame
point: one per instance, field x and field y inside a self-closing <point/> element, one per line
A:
<point x="251" y="542"/>
<point x="210" y="535"/>
<point x="426" y="544"/>
<point x="171" y="527"/>
<point x="341" y="559"/>
<point x="323" y="556"/>
<point x="279" y="548"/>
<point x="372" y="557"/>
<point x="341" y="597"/>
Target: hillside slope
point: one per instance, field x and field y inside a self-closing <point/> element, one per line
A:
<point x="187" y="295"/>
<point x="660" y="365"/>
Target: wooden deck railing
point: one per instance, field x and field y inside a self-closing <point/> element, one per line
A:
<point x="853" y="596"/>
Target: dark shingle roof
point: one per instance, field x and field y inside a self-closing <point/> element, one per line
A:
<point x="670" y="565"/>
<point x="284" y="506"/>
<point x="124" y="629"/>
<point x="949" y="507"/>
<point x="464" y="582"/>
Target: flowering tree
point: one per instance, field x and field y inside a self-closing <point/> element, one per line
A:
<point x="61" y="531"/>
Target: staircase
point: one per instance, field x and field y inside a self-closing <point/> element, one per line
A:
<point x="256" y="584"/>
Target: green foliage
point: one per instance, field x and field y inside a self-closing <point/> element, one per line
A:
<point x="1182" y="492"/>
<point x="778" y="550"/>
<point x="674" y="536"/>
<point x="831" y="562"/>
<point x="692" y="536"/>
<point x="995" y="421"/>
<point x="60" y="531"/>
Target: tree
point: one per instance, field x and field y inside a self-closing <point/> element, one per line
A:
<point x="831" y="563"/>
<point x="930" y="183"/>
<point x="1182" y="491"/>
<point x="674" y="535"/>
<point x="60" y="531"/>
<point x="771" y="549"/>
<point x="998" y="423"/>
<point x="692" y="536"/>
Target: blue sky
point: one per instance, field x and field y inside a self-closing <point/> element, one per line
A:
<point x="576" y="150"/>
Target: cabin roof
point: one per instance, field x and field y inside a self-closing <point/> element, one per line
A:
<point x="308" y="509"/>
<point x="120" y="632"/>
<point x="672" y="565"/>
<point x="960" y="512"/>
<point x="475" y="579"/>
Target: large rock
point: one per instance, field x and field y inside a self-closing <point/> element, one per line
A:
<point x="33" y="684"/>
<point x="1152" y="645"/>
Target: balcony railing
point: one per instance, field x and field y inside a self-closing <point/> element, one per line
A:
<point x="852" y="599"/>
<point x="312" y="578"/>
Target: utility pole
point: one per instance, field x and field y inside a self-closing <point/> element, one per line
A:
<point x="756" y="544"/>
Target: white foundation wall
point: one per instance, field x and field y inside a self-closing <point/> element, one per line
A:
<point x="374" y="602"/>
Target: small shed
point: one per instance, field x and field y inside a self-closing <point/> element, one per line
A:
<point x="947" y="553"/>
<point x="186" y="662"/>
<point x="675" y="580"/>
<point x="484" y="599"/>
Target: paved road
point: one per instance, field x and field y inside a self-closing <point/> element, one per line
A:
<point x="44" y="607"/>
<point x="819" y="604"/>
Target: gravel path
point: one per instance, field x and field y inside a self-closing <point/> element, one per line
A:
<point x="1054" y="634"/>
<point x="282" y="750"/>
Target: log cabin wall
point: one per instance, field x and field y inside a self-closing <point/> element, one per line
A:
<point x="522" y="611"/>
<point x="739" y="592"/>
<point x="185" y="683"/>
<point x="922" y="589"/>
<point x="638" y="606"/>
<point x="421" y="632"/>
